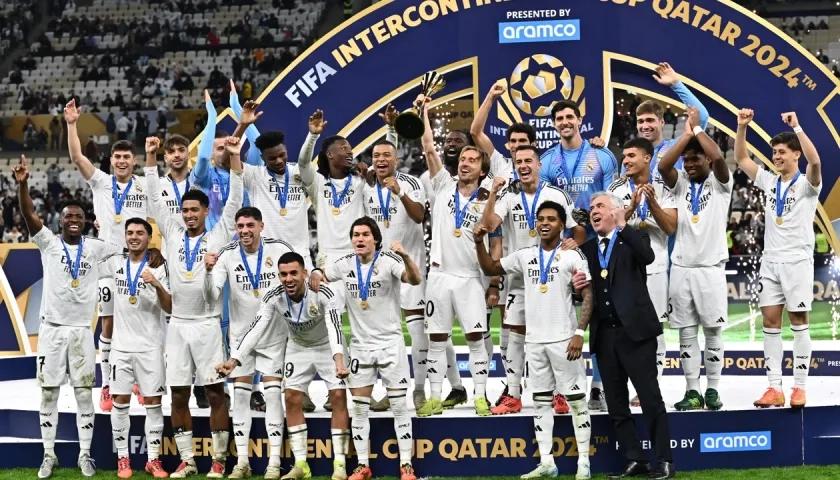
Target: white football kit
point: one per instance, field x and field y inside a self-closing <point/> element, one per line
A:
<point x="313" y="330"/>
<point x="281" y="197"/>
<point x="518" y="234"/>
<point x="698" y="289"/>
<point x="137" y="348"/>
<point x="550" y="317"/>
<point x="251" y="276"/>
<point x="194" y="344"/>
<point x="657" y="272"/>
<point x="68" y="308"/>
<point x="171" y="193"/>
<point x="377" y="344"/>
<point x="401" y="228"/>
<point x="787" y="265"/>
<point x="108" y="193"/>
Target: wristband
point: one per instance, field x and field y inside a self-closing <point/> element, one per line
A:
<point x="401" y="194"/>
<point x="238" y="363"/>
<point x="317" y="270"/>
<point x="494" y="286"/>
<point x="797" y="130"/>
<point x="579" y="332"/>
<point x="697" y="130"/>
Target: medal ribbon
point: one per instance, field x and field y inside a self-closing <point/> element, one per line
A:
<point x="562" y="155"/>
<point x="224" y="187"/>
<point x="175" y="189"/>
<point x="191" y="255"/>
<point x="289" y="303"/>
<point x="531" y="210"/>
<point x="695" y="196"/>
<point x="781" y="198"/>
<point x="283" y="194"/>
<point x="654" y="162"/>
<point x="254" y="280"/>
<point x="132" y="282"/>
<point x="544" y="269"/>
<point x="364" y="287"/>
<point x="337" y="200"/>
<point x="460" y="213"/>
<point x="74" y="266"/>
<point x="604" y="258"/>
<point x="119" y="198"/>
<point x="385" y="206"/>
<point x="642" y="209"/>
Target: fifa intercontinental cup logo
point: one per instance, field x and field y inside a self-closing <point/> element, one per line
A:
<point x="532" y="89"/>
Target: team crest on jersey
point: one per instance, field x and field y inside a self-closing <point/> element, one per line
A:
<point x="297" y="178"/>
<point x="476" y="207"/>
<point x="269" y="262"/>
<point x="204" y="239"/>
<point x="313" y="310"/>
<point x="590" y="167"/>
<point x="557" y="258"/>
<point x="376" y="270"/>
<point x="138" y="188"/>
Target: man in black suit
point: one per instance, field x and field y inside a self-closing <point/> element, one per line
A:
<point x="623" y="333"/>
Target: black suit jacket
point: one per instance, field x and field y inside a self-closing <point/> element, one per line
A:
<point x="628" y="279"/>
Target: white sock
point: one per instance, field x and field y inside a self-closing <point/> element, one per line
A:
<point x="340" y="444"/>
<point x="361" y="428"/>
<point x="419" y="349"/>
<point x="661" y="354"/>
<point x="120" y="422"/>
<point x="479" y="366"/>
<point x="274" y="419"/>
<point x="297" y="438"/>
<point x="690" y="357"/>
<point x="453" y="376"/>
<point x="544" y="426"/>
<point x="773" y="352"/>
<point x="504" y="336"/>
<point x="84" y="418"/>
<point x="221" y="444"/>
<point x="513" y="364"/>
<point x="154" y="430"/>
<point x="105" y="360"/>
<point x="49" y="419"/>
<point x="583" y="428"/>
<point x="184" y="442"/>
<point x="435" y="364"/>
<point x="713" y="355"/>
<point x="402" y="425"/>
<point x="801" y="354"/>
<point x="242" y="420"/>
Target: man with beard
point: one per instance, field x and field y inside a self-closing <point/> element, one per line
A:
<point x="176" y="155"/>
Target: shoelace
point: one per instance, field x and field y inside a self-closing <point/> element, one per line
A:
<point x="88" y="461"/>
<point x="123" y="463"/>
<point x="360" y="469"/>
<point x="157" y="464"/>
<point x="406" y="468"/>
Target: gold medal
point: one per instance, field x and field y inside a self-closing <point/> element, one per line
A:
<point x="75" y="283"/>
<point x="387" y="223"/>
<point x="257" y="293"/>
<point x="457" y="232"/>
<point x="283" y="212"/>
<point x="188" y="275"/>
<point x="604" y="273"/>
<point x="532" y="233"/>
<point x="336" y="211"/>
<point x="132" y="299"/>
<point x="695" y="218"/>
<point x="780" y="220"/>
<point x="543" y="288"/>
<point x="643" y="224"/>
<point x="118" y="218"/>
<point x="364" y="304"/>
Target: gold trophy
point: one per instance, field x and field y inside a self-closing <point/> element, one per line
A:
<point x="409" y="124"/>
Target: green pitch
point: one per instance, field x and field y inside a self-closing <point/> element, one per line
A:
<point x="795" y="473"/>
<point x="738" y="329"/>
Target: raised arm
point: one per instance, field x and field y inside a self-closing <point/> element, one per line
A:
<point x="248" y="117"/>
<point x="217" y="276"/>
<point x="488" y="265"/>
<point x="71" y="116"/>
<point x="390" y="117"/>
<point x="161" y="290"/>
<point x="710" y="147"/>
<point x="490" y="218"/>
<point x="27" y="208"/>
<point x="669" y="159"/>
<point x="307" y="151"/>
<point x="233" y="147"/>
<point x="411" y="273"/>
<point x="200" y="173"/>
<point x="742" y="156"/>
<point x="433" y="160"/>
<point x="159" y="211"/>
<point x="250" y="129"/>
<point x="482" y="141"/>
<point x="666" y="75"/>
<point x="813" y="172"/>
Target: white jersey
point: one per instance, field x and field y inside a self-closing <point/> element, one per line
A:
<point x="701" y="244"/>
<point x="453" y="254"/>
<point x="63" y="304"/>
<point x="401" y="228"/>
<point x="515" y="228"/>
<point x="231" y="269"/>
<point x="550" y="316"/>
<point x="172" y="192"/>
<point x="138" y="327"/>
<point x="313" y="322"/>
<point x="658" y="238"/>
<point x="334" y="229"/>
<point x="105" y="200"/>
<point x="188" y="293"/>
<point x="426" y="182"/>
<point x="380" y="324"/>
<point x="501" y="166"/>
<point x="793" y="240"/>
<point x="265" y="192"/>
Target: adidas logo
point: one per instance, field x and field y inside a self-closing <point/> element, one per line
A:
<point x="164" y="193"/>
<point x="802" y="366"/>
<point x="477" y="325"/>
<point x="119" y="439"/>
<point x="407" y="436"/>
<point x="431" y="370"/>
<point x="121" y="271"/>
<point x="352" y="274"/>
<point x="287" y="314"/>
<point x="154" y="442"/>
<point x="239" y="434"/>
<point x="422" y="302"/>
<point x="685" y="355"/>
<point x="575" y="388"/>
<point x="585" y="425"/>
<point x="801" y="305"/>
<point x="659" y="362"/>
<point x="357" y="437"/>
<point x="483" y="372"/>
<point x="664" y="316"/>
<point x="403" y="381"/>
<point x="510" y="371"/>
<point x="720" y="320"/>
<point x="537" y="428"/>
<point x="713" y="359"/>
<point x="239" y="268"/>
<point x="276" y="434"/>
<point x="89" y="426"/>
<point x="517" y="207"/>
<point x="46" y="425"/>
<point x="161" y="389"/>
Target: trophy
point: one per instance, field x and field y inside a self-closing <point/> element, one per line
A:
<point x="409" y="124"/>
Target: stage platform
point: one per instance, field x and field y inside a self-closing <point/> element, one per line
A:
<point x="459" y="443"/>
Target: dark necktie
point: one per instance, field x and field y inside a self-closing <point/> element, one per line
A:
<point x="605" y="242"/>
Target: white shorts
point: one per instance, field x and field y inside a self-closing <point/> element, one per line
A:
<point x="549" y="370"/>
<point x="448" y="296"/>
<point x="146" y="369"/>
<point x="193" y="348"/>
<point x="503" y="287"/>
<point x="657" y="284"/>
<point x="788" y="284"/>
<point x="302" y="363"/>
<point x="390" y="363"/>
<point x="107" y="290"/>
<point x="515" y="308"/>
<point x="267" y="360"/>
<point x="63" y="351"/>
<point x="698" y="296"/>
<point x="413" y="297"/>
